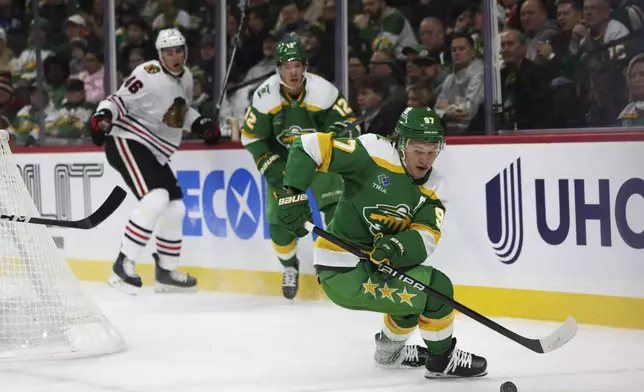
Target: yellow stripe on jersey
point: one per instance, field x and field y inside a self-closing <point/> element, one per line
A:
<point x="325" y="143"/>
<point x="277" y="108"/>
<point x="428" y="192"/>
<point x="436" y="235"/>
<point x="385" y="164"/>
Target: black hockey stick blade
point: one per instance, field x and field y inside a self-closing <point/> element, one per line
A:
<point x="549" y="343"/>
<point x="103" y="212"/>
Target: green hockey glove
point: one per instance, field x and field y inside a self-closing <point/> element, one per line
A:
<point x="272" y="167"/>
<point x="387" y="249"/>
<point x="293" y="211"/>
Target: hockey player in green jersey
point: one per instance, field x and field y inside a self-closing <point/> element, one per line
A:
<point x="290" y="103"/>
<point x="392" y="210"/>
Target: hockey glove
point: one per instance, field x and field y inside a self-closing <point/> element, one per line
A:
<point x="342" y="129"/>
<point x="387" y="249"/>
<point x="272" y="167"/>
<point x="293" y="211"/>
<point x="206" y="129"/>
<point x="101" y="125"/>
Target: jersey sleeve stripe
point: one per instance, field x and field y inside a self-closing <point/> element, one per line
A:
<point x="144" y="136"/>
<point x="119" y="105"/>
<point x="429" y="236"/>
<point x="428" y="192"/>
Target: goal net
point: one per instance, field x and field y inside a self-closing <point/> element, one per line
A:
<point x="44" y="312"/>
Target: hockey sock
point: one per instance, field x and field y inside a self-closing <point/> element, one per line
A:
<point x="328" y="212"/>
<point x="436" y="322"/>
<point x="142" y="222"/>
<point x="285" y="245"/>
<point x="399" y="328"/>
<point x="168" y="235"/>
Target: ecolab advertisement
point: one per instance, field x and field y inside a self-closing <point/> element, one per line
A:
<point x="556" y="217"/>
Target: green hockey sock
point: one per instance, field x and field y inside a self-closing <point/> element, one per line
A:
<point x="436" y="322"/>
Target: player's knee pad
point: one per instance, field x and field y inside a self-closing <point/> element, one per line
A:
<point x="154" y="203"/>
<point x="174" y="213"/>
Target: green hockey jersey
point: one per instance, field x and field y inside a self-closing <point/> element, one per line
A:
<point x="274" y="119"/>
<point x="379" y="198"/>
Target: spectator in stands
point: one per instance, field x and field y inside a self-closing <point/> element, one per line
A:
<point x="382" y="65"/>
<point x="292" y="20"/>
<point x="461" y="96"/>
<point x="78" y="54"/>
<point x="252" y="50"/>
<point x="200" y="98"/>
<point x="72" y="119"/>
<point x="555" y="52"/>
<point x="412" y="69"/>
<point x="171" y="16"/>
<point x="384" y="28"/>
<point x="6" y="54"/>
<point x="536" y="27"/>
<point x="633" y="113"/>
<point x="526" y="93"/>
<point x="56" y="73"/>
<point x="137" y="37"/>
<point x="420" y="95"/>
<point x="206" y="60"/>
<point x="7" y="110"/>
<point x="321" y="60"/>
<point x="432" y="72"/>
<point x="608" y="96"/>
<point x="74" y="31"/>
<point x="93" y="76"/>
<point x="356" y="71"/>
<point x="266" y="66"/>
<point x="432" y="36"/>
<point x="25" y="66"/>
<point x="54" y="12"/>
<point x="371" y="92"/>
<point x="26" y="122"/>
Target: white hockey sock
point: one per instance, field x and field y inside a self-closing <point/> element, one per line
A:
<point x="142" y="221"/>
<point x="169" y="233"/>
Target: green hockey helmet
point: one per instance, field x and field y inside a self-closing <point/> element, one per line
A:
<point x="289" y="49"/>
<point x="422" y="124"/>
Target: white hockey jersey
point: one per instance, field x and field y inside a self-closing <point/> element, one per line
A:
<point x="141" y="106"/>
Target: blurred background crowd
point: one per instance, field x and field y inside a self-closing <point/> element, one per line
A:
<point x="564" y="63"/>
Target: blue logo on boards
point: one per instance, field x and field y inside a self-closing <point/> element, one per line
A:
<point x="504" y="208"/>
<point x="243" y="216"/>
<point x="603" y="203"/>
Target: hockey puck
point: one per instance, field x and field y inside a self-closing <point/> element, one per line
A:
<point x="508" y="387"/>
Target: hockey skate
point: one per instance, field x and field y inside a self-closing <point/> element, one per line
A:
<point x="172" y="281"/>
<point x="392" y="354"/>
<point x="455" y="363"/>
<point x="290" y="281"/>
<point x="124" y="276"/>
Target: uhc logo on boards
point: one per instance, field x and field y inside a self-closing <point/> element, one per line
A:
<point x="505" y="212"/>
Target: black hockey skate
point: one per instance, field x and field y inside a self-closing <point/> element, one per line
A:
<point x="290" y="281"/>
<point x="392" y="354"/>
<point x="124" y="276"/>
<point x="172" y="281"/>
<point x="455" y="363"/>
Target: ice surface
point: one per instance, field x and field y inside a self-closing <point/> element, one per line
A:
<point x="218" y="343"/>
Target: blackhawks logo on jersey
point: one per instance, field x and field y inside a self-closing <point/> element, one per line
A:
<point x="151" y="69"/>
<point x="288" y="136"/>
<point x="386" y="219"/>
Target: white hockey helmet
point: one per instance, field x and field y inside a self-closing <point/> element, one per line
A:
<point x="170" y="38"/>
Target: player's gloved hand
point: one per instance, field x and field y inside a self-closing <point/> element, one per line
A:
<point x="272" y="167"/>
<point x="387" y="249"/>
<point x="342" y="128"/>
<point x="293" y="211"/>
<point x="206" y="129"/>
<point x="101" y="123"/>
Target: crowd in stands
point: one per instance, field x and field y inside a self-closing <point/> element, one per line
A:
<point x="558" y="68"/>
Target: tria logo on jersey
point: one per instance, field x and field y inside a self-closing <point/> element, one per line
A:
<point x="591" y="210"/>
<point x="226" y="203"/>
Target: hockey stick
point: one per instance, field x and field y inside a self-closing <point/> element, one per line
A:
<point x="103" y="212"/>
<point x="232" y="60"/>
<point x="549" y="343"/>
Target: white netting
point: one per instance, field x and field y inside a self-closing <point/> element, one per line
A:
<point x="44" y="312"/>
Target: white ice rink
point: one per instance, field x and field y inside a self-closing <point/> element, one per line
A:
<point x="219" y="343"/>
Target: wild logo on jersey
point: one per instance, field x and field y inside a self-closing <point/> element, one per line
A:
<point x="288" y="136"/>
<point x="386" y="219"/>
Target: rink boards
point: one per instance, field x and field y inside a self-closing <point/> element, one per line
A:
<point x="533" y="229"/>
